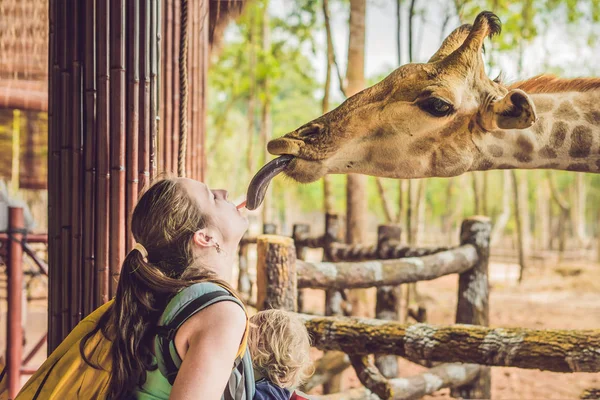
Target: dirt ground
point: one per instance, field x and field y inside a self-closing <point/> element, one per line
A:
<point x="565" y="297"/>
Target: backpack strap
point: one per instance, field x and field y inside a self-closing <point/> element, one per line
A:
<point x="182" y="307"/>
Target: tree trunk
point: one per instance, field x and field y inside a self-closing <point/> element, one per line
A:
<point x="421" y="207"/>
<point x="543" y="214"/>
<point x="357" y="184"/>
<point x="402" y="201"/>
<point x="520" y="216"/>
<point x="411" y="17"/>
<point x="399" y="30"/>
<point x="504" y="216"/>
<point x="565" y="209"/>
<point x="477" y="194"/>
<point x="252" y="37"/>
<point x="266" y="122"/>
<point x="578" y="211"/>
<point x="447" y="216"/>
<point x="598" y="234"/>
<point x="484" y="193"/>
<point x="385" y="204"/>
<point x="328" y="199"/>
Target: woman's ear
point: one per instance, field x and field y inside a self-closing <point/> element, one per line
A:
<point x="202" y="238"/>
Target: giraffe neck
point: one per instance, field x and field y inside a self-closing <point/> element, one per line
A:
<point x="565" y="137"/>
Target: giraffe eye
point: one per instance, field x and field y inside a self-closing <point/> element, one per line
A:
<point x="436" y="107"/>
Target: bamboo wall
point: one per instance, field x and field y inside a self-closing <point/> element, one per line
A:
<point x="170" y="97"/>
<point x="107" y="138"/>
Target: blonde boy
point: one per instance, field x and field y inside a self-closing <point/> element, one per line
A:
<point x="279" y="346"/>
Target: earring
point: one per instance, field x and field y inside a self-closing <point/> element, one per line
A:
<point x="218" y="248"/>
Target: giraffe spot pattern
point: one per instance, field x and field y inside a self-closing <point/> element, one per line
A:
<point x="547" y="152"/>
<point x="499" y="134"/>
<point x="523" y="157"/>
<point x="422" y="146"/>
<point x="540" y="127"/>
<point x="593" y="117"/>
<point x="558" y="134"/>
<point x="495" y="150"/>
<point x="506" y="166"/>
<point x="579" y="167"/>
<point x="566" y="111"/>
<point x="455" y="126"/>
<point x="544" y="105"/>
<point x="581" y="142"/>
<point x="484" y="165"/>
<point x="443" y="158"/>
<point x="525" y="144"/>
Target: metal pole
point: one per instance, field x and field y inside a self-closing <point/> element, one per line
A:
<point x="14" y="343"/>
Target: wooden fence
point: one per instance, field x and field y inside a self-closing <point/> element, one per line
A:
<point x="465" y="350"/>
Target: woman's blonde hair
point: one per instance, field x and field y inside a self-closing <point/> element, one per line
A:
<point x="280" y="347"/>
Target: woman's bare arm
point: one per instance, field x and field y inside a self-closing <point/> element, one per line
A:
<point x="208" y="343"/>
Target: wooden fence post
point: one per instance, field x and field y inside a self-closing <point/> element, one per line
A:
<point x="14" y="329"/>
<point x="276" y="281"/>
<point x="388" y="298"/>
<point x="334" y="233"/>
<point x="300" y="231"/>
<point x="473" y="297"/>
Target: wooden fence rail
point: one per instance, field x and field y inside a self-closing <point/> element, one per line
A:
<point x="366" y="274"/>
<point x="548" y="350"/>
<point x="280" y="274"/>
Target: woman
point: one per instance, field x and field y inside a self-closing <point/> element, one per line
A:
<point x="185" y="234"/>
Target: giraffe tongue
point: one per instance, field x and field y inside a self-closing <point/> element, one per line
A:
<point x="260" y="182"/>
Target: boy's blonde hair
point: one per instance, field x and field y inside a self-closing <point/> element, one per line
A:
<point x="280" y="346"/>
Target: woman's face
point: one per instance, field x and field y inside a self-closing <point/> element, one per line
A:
<point x="222" y="214"/>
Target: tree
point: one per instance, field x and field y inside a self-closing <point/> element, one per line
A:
<point x="355" y="75"/>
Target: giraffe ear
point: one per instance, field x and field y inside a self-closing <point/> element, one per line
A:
<point x="514" y="111"/>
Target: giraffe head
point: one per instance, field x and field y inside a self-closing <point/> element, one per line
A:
<point x="420" y="121"/>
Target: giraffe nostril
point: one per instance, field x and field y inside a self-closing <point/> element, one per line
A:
<point x="309" y="130"/>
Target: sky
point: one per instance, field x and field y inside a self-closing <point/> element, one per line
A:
<point x="564" y="46"/>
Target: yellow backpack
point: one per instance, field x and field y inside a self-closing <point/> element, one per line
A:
<point x="65" y="375"/>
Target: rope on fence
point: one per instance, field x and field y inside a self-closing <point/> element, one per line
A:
<point x="183" y="88"/>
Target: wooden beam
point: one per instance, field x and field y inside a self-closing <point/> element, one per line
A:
<point x="414" y="387"/>
<point x="549" y="350"/>
<point x="346" y="275"/>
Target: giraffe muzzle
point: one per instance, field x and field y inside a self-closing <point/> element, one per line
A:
<point x="259" y="184"/>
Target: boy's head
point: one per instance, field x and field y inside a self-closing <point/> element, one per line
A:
<point x="279" y="346"/>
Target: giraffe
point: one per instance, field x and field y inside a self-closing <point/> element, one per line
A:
<point x="444" y="118"/>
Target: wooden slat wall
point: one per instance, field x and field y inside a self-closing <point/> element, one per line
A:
<point x="109" y="72"/>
